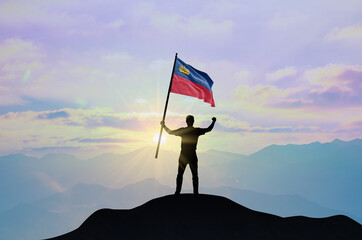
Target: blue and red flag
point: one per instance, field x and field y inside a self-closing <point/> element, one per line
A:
<point x="191" y="82"/>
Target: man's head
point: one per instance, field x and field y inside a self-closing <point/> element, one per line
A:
<point x="190" y="120"/>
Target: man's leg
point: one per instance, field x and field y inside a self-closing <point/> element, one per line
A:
<point x="181" y="169"/>
<point x="195" y="177"/>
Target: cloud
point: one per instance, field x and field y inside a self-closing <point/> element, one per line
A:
<point x="334" y="75"/>
<point x="106" y="118"/>
<point x="335" y="85"/>
<point x="104" y="80"/>
<point x="105" y="140"/>
<point x="350" y="33"/>
<point x="114" y="122"/>
<point x="57" y="20"/>
<point x="334" y="96"/>
<point x="258" y="94"/>
<point x="292" y="103"/>
<point x="84" y="151"/>
<point x="19" y="62"/>
<point x="331" y="86"/>
<point x="57" y="148"/>
<point x="357" y="124"/>
<point x="260" y="129"/>
<point x="53" y="115"/>
<point x="7" y="98"/>
<point x="281" y="74"/>
<point x="18" y="14"/>
<point x="189" y="26"/>
<point x="229" y="124"/>
<point x="16" y="49"/>
<point x="75" y="130"/>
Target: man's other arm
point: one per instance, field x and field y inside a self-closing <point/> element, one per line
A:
<point x="211" y="125"/>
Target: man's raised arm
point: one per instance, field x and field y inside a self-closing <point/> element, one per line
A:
<point x="211" y="125"/>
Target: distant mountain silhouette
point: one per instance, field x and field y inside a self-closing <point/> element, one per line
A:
<point x="26" y="221"/>
<point x="302" y="170"/>
<point x="306" y="169"/>
<point x="283" y="205"/>
<point x="65" y="211"/>
<point x="326" y="174"/>
<point x="207" y="217"/>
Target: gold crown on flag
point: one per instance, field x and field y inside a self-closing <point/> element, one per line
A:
<point x="184" y="70"/>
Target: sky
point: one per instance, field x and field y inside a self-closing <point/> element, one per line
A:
<point x="87" y="77"/>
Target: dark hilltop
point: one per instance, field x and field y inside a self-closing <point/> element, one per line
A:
<point x="207" y="217"/>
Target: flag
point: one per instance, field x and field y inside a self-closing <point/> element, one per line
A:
<point x="191" y="82"/>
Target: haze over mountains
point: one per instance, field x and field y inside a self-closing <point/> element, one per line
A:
<point x="313" y="179"/>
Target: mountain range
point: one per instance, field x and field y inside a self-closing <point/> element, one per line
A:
<point x="313" y="179"/>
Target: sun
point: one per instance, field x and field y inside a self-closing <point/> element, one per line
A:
<point x="163" y="138"/>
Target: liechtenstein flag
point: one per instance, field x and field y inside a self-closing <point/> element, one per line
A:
<point x="191" y="82"/>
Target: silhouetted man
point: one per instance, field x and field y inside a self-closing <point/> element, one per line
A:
<point x="188" y="155"/>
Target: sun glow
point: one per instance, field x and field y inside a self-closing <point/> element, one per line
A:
<point x="163" y="138"/>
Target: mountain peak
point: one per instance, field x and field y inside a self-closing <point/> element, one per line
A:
<point x="207" y="217"/>
<point x="337" y="140"/>
<point x="354" y="141"/>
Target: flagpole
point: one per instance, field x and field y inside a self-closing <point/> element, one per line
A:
<point x="166" y="104"/>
